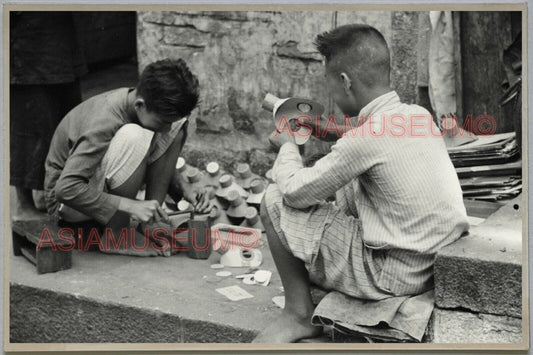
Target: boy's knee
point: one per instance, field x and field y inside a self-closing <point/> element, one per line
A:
<point x="130" y="141"/>
<point x="127" y="150"/>
<point x="132" y="133"/>
<point x="271" y="199"/>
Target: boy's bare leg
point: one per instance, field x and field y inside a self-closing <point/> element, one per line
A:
<point x="295" y="321"/>
<point x="160" y="172"/>
<point x="158" y="177"/>
<point x="38" y="200"/>
<point x="23" y="207"/>
<point x="120" y="221"/>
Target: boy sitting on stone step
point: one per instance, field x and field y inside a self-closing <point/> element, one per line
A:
<point x="398" y="196"/>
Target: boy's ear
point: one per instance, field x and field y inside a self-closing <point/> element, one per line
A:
<point x="139" y="103"/>
<point x="346" y="82"/>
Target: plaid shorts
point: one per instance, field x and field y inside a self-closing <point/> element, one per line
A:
<point x="330" y="244"/>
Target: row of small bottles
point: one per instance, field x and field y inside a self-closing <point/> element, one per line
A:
<point x="234" y="199"/>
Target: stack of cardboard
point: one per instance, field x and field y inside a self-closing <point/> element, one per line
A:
<point x="489" y="168"/>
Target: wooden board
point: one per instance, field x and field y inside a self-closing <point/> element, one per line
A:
<point x="199" y="240"/>
<point x="47" y="256"/>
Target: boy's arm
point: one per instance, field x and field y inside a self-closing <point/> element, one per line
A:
<point x="326" y="130"/>
<point x="179" y="187"/>
<point x="74" y="187"/>
<point x="303" y="187"/>
<point x="161" y="173"/>
<point x="144" y="211"/>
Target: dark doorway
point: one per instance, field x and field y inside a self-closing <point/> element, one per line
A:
<point x="484" y="36"/>
<point x="108" y="40"/>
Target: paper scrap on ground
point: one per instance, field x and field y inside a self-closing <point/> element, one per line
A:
<point x="474" y="221"/>
<point x="249" y="280"/>
<point x="262" y="277"/>
<point x="217" y="266"/>
<point x="234" y="293"/>
<point x="223" y="273"/>
<point x="279" y="301"/>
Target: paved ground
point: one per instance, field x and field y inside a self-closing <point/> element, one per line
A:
<point x="175" y="285"/>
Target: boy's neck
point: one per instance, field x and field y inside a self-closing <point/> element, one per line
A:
<point x="373" y="93"/>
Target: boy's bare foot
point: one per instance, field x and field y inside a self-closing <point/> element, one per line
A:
<point x="26" y="214"/>
<point x="288" y="328"/>
<point x="22" y="208"/>
<point x="38" y="200"/>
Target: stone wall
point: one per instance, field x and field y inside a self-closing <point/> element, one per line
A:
<point x="240" y="56"/>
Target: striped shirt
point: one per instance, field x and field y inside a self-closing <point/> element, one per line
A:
<point x="393" y="172"/>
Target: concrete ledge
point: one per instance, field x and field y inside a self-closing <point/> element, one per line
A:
<point x="464" y="327"/>
<point x="483" y="272"/>
<point x="112" y="298"/>
<point x="43" y="316"/>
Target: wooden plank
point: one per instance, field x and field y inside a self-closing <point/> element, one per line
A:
<point x="26" y="236"/>
<point x="16" y="241"/>
<point x="33" y="230"/>
<point x="49" y="260"/>
<point x="199" y="242"/>
<point x="29" y="254"/>
<point x="514" y="168"/>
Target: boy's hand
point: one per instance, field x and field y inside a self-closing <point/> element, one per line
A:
<point x="143" y="211"/>
<point x="323" y="130"/>
<point x="277" y="139"/>
<point x="199" y="198"/>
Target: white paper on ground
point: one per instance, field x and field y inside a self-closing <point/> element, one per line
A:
<point x="234" y="293"/>
<point x="279" y="301"/>
<point x="474" y="221"/>
<point x="223" y="273"/>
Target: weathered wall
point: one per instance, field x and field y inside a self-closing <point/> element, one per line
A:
<point x="240" y="56"/>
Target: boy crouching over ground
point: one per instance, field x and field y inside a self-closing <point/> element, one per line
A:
<point x="107" y="147"/>
<point x="398" y="196"/>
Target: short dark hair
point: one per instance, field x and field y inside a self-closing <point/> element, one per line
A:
<point x="359" y="49"/>
<point x="169" y="88"/>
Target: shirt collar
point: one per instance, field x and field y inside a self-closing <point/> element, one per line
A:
<point x="379" y="104"/>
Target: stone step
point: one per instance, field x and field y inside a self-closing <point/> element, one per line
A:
<point x="451" y="326"/>
<point x="483" y="271"/>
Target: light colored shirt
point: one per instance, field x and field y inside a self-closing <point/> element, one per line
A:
<point x="393" y="172"/>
